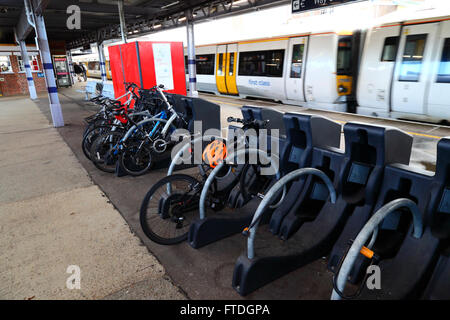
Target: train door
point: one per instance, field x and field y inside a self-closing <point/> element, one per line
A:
<point x="230" y="75"/>
<point x="413" y="68"/>
<point x="226" y="69"/>
<point x="295" y="70"/>
<point x="439" y="95"/>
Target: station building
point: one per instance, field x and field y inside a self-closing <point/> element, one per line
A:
<point x="13" y="80"/>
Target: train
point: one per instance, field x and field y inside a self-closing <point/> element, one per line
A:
<point x="92" y="65"/>
<point x="398" y="68"/>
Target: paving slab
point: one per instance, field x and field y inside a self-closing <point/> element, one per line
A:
<point x="52" y="216"/>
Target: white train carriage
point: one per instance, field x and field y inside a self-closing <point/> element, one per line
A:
<point x="313" y="70"/>
<point x="405" y="70"/>
<point x="206" y="68"/>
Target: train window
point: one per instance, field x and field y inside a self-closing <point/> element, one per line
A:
<point x="231" y="68"/>
<point x="268" y="63"/>
<point x="205" y="64"/>
<point x="412" y="57"/>
<point x="297" y="60"/>
<point x="185" y="65"/>
<point x="444" y="67"/>
<point x="344" y="56"/>
<point x="220" y="65"/>
<point x="94" y="65"/>
<point x="389" y="49"/>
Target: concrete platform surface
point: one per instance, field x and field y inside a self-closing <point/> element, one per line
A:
<point x="52" y="216"/>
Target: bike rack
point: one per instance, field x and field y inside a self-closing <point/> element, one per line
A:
<point x="368" y="230"/>
<point x="407" y="263"/>
<point x="395" y="147"/>
<point x="274" y="191"/>
<point x="314" y="222"/>
<point x="300" y="134"/>
<point x="208" y="229"/>
<point x="304" y="132"/>
<point x="439" y="284"/>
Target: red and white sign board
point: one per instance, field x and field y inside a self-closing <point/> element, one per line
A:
<point x="148" y="64"/>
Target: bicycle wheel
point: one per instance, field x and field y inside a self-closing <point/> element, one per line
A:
<point x="104" y="153"/>
<point x="136" y="158"/>
<point x="91" y="135"/>
<point x="169" y="208"/>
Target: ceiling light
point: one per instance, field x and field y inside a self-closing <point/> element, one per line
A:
<point x="170" y="5"/>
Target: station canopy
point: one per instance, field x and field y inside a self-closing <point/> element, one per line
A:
<point x="100" y="18"/>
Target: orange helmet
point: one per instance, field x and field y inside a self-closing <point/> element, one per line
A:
<point x="214" y="153"/>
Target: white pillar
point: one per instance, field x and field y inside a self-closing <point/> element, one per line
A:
<point x="123" y="27"/>
<point x="46" y="58"/>
<point x="101" y="58"/>
<point x="26" y="64"/>
<point x="71" y="69"/>
<point x="192" y="69"/>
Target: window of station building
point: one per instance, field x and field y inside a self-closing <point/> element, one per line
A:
<point x="34" y="64"/>
<point x="444" y="67"/>
<point x="411" y="67"/>
<point x="389" y="53"/>
<point x="297" y="60"/>
<point x="268" y="63"/>
<point x="5" y="64"/>
<point x="344" y="56"/>
<point x="205" y="64"/>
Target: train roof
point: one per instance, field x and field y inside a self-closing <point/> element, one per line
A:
<point x="418" y="15"/>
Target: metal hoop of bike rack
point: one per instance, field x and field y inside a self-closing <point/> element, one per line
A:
<point x="180" y="152"/>
<point x="274" y="190"/>
<point x="216" y="170"/>
<point x="371" y="227"/>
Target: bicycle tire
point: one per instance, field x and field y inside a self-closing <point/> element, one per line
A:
<point x="129" y="161"/>
<point x="162" y="212"/>
<point x="102" y="155"/>
<point x="91" y="135"/>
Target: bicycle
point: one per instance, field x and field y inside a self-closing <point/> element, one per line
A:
<point x="171" y="205"/>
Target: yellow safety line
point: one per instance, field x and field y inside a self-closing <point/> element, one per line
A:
<point x="413" y="133"/>
<point x="424" y="135"/>
<point x="339" y="121"/>
<point x="225" y="102"/>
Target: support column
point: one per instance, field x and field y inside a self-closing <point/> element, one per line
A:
<point x="26" y="64"/>
<point x="192" y="68"/>
<point x="46" y="58"/>
<point x="101" y="58"/>
<point x="123" y="27"/>
<point x="71" y="69"/>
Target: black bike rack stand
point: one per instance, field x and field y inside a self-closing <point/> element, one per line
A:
<point x="298" y="134"/>
<point x="314" y="227"/>
<point x="303" y="133"/>
<point x="409" y="263"/>
<point x="439" y="285"/>
<point x="224" y="224"/>
<point x="395" y="147"/>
